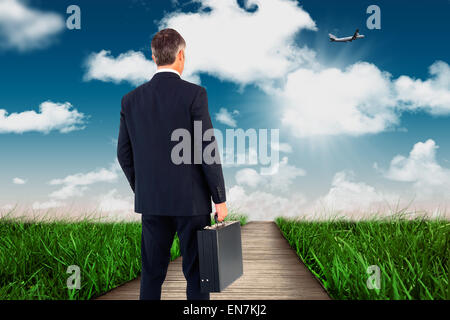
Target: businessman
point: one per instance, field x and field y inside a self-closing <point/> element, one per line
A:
<point x="170" y="197"/>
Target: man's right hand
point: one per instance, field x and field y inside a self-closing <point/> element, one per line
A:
<point x="221" y="211"/>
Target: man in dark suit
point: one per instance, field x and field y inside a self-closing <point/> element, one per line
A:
<point x="171" y="196"/>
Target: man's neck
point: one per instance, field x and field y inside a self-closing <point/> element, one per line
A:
<point x="168" y="68"/>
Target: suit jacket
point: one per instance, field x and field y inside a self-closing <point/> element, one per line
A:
<point x="149" y="115"/>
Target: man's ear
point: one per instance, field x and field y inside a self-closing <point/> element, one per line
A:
<point x="181" y="55"/>
<point x="153" y="58"/>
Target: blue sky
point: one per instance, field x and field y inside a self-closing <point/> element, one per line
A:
<point x="327" y="161"/>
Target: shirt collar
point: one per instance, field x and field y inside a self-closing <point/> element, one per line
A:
<point x="168" y="70"/>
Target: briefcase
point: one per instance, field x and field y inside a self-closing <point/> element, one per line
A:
<point x="220" y="255"/>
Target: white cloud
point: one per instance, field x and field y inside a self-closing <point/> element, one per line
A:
<point x="68" y="191"/>
<point x="348" y="195"/>
<point x="282" y="147"/>
<point x="354" y="101"/>
<point x="131" y="66"/>
<point x="8" y="207"/>
<point x="19" y="181"/>
<point x="431" y="95"/>
<point x="24" y="28"/>
<point x="353" y="199"/>
<point x="100" y="175"/>
<point x="360" y="99"/>
<point x="47" y="205"/>
<point x="51" y="116"/>
<point x="260" y="205"/>
<point x="346" y="198"/>
<point x="240" y="46"/>
<point x="112" y="206"/>
<point x="315" y="100"/>
<point x="421" y="167"/>
<point x="111" y="202"/>
<point x="225" y="52"/>
<point x="281" y="179"/>
<point x="249" y="177"/>
<point x="226" y="117"/>
<point x="284" y="176"/>
<point x="75" y="185"/>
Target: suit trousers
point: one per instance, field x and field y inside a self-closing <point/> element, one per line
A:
<point x="158" y="232"/>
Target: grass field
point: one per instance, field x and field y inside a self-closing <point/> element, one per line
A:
<point x="34" y="257"/>
<point x="412" y="256"/>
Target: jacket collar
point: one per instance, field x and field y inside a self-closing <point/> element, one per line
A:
<point x="166" y="73"/>
<point x="167" y="70"/>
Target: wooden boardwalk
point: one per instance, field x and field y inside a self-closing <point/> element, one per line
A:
<point x="272" y="271"/>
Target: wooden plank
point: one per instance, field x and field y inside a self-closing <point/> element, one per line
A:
<point x="272" y="271"/>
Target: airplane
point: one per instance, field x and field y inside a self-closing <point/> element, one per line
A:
<point x="333" y="38"/>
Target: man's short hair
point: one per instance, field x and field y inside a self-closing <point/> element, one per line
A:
<point x="165" y="46"/>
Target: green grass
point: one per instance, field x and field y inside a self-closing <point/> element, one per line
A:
<point x="34" y="257"/>
<point x="412" y="256"/>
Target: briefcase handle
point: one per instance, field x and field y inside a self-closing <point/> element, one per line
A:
<point x="216" y="219"/>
